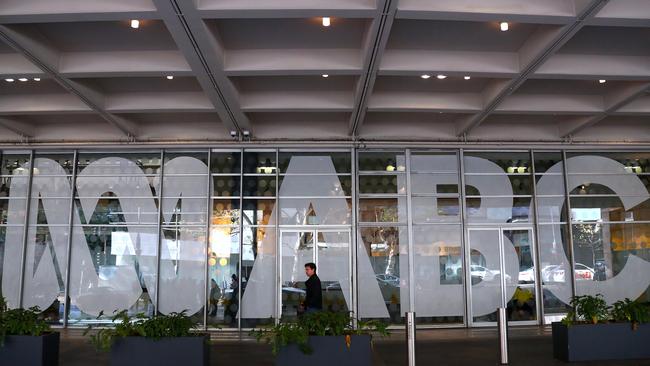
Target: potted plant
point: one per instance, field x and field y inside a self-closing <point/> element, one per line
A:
<point x="159" y="340"/>
<point x="322" y="338"/>
<point x="25" y="338"/>
<point x="592" y="332"/>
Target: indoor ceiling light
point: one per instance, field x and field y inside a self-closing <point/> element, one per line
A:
<point x="9" y="80"/>
<point x="325" y="75"/>
<point x="504" y="26"/>
<point x="441" y="77"/>
<point x="466" y="77"/>
<point x="37" y="79"/>
<point x="425" y="76"/>
<point x="170" y="77"/>
<point x="326" y="21"/>
<point x="602" y="81"/>
<point x="135" y="24"/>
<point x="22" y="79"/>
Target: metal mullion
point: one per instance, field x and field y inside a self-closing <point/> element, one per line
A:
<point x="353" y="276"/>
<point x="465" y="252"/>
<point x="160" y="234"/>
<point x="241" y="240"/>
<point x="538" y="257"/>
<point x="23" y="253"/>
<point x="502" y="267"/>
<point x="570" y="228"/>
<point x="409" y="223"/>
<point x="73" y="189"/>
<point x="278" y="247"/>
<point x="208" y="222"/>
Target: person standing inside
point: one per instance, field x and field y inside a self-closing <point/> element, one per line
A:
<point x="215" y="295"/>
<point x="314" y="296"/>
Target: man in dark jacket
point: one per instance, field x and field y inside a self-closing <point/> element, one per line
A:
<point x="314" y="297"/>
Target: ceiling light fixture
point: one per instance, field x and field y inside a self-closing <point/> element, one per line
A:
<point x="326" y="21"/>
<point x="602" y="81"/>
<point x="37" y="79"/>
<point x="467" y="77"/>
<point x="441" y="77"/>
<point x="170" y="77"/>
<point x="504" y="26"/>
<point x="325" y="75"/>
<point x="9" y="80"/>
<point x="135" y="24"/>
<point x="22" y="79"/>
<point x="425" y="76"/>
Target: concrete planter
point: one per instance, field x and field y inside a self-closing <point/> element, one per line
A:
<point x="607" y="341"/>
<point x="329" y="351"/>
<point x="31" y="351"/>
<point x="138" y="351"/>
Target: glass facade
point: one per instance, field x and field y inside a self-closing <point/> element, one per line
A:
<point x="224" y="234"/>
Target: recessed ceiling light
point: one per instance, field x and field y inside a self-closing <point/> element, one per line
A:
<point x="170" y="77"/>
<point x="9" y="80"/>
<point x="425" y="76"/>
<point x="326" y="21"/>
<point x="504" y="26"/>
<point x="22" y="79"/>
<point x="467" y="77"/>
<point x="135" y="24"/>
<point x="325" y="75"/>
<point x="602" y="81"/>
<point x="37" y="79"/>
<point x="441" y="77"/>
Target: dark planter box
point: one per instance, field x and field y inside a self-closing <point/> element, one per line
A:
<point x="138" y="351"/>
<point x="30" y="350"/>
<point x="607" y="341"/>
<point x="328" y="351"/>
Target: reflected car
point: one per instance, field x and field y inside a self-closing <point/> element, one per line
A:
<point x="388" y="279"/>
<point x="485" y="274"/>
<point x="557" y="273"/>
<point x="527" y="275"/>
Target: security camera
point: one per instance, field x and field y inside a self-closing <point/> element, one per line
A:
<point x="233" y="133"/>
<point x="247" y="133"/>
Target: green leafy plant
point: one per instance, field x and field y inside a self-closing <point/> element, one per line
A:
<point x="586" y="308"/>
<point x="320" y="323"/>
<point x="20" y="322"/>
<point x="156" y="327"/>
<point x="631" y="311"/>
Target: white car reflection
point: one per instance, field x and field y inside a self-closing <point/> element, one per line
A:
<point x="485" y="274"/>
<point x="557" y="273"/>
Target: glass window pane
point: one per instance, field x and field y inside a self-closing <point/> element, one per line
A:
<point x="439" y="183"/>
<point x="123" y="163"/>
<point x="630" y="162"/>
<point x="256" y="186"/>
<point x="383" y="273"/>
<point x="554" y="267"/>
<point x="223" y="271"/>
<point x="499" y="209"/>
<point x="315" y="211"/>
<point x="259" y="162"/>
<point x="434" y="162"/>
<point x="225" y="162"/>
<point x="12" y="212"/>
<point x="382" y="209"/>
<point x="330" y="185"/>
<point x="15" y="163"/>
<point x="495" y="162"/>
<point x="609" y="209"/>
<point x="382" y="184"/>
<point x="112" y="268"/>
<point x="225" y="212"/>
<point x="314" y="162"/>
<point x="500" y="185"/>
<point x="259" y="273"/>
<point x="382" y="161"/>
<point x="544" y="161"/>
<point x="435" y="209"/>
<point x="333" y="267"/>
<point x="438" y="272"/>
<point x="225" y="186"/>
<point x="105" y="211"/>
<point x="54" y="163"/>
<point x="258" y="212"/>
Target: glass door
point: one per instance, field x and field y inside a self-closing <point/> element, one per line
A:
<point x="502" y="274"/>
<point x="329" y="249"/>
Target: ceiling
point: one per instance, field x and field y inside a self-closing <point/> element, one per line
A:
<point x="253" y="69"/>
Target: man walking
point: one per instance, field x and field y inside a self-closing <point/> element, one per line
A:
<point x="314" y="297"/>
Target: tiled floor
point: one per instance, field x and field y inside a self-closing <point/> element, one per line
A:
<point x="528" y="346"/>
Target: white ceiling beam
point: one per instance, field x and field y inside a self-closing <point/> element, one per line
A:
<point x="123" y="63"/>
<point x="572" y="66"/>
<point x="25" y="130"/>
<point x="374" y="45"/>
<point x="40" y="11"/>
<point x="254" y="62"/>
<point x="35" y="47"/>
<point x="14" y="64"/>
<point x="639" y="106"/>
<point x="537" y="49"/>
<point x="551" y="104"/>
<point x="205" y="56"/>
<point x="303" y="100"/>
<point x="527" y="11"/>
<point x="623" y="13"/>
<point x="613" y="101"/>
<point x="424" y="102"/>
<point x="158" y="102"/>
<point x="286" y="8"/>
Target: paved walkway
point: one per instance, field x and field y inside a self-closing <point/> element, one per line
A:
<point x="528" y="346"/>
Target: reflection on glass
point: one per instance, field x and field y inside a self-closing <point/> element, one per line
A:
<point x="382" y="184"/>
<point x="258" y="276"/>
<point x="223" y="274"/>
<point x="495" y="162"/>
<point x="382" y="209"/>
<point x="258" y="212"/>
<point x="438" y="272"/>
<point x="435" y="209"/>
<point x="225" y="212"/>
<point x="522" y="305"/>
<point x="225" y="186"/>
<point x="259" y="162"/>
<point x="297" y="248"/>
<point x="439" y="183"/>
<point x="323" y="185"/>
<point x="553" y="245"/>
<point x="340" y="161"/>
<point x="315" y="211"/>
<point x="434" y="162"/>
<point x="498" y="209"/>
<point x="586" y="209"/>
<point x="382" y="161"/>
<point x="256" y="186"/>
<point x="225" y="162"/>
<point x="383" y="286"/>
